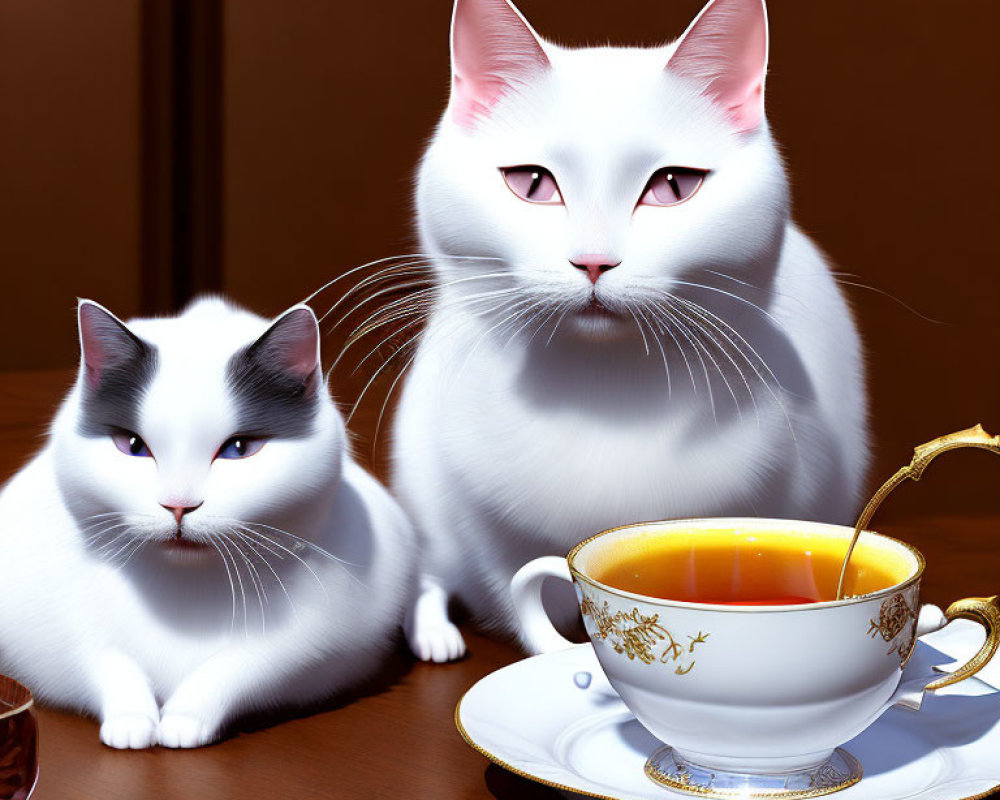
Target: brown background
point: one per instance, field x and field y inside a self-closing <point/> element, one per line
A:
<point x="887" y="113"/>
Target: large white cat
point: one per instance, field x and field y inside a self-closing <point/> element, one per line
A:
<point x="628" y="325"/>
<point x="194" y="541"/>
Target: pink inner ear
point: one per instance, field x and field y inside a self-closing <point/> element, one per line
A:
<point x="725" y="49"/>
<point x="94" y="322"/>
<point x="298" y="343"/>
<point x="492" y="48"/>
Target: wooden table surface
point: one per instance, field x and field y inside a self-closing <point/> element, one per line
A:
<point x="398" y="741"/>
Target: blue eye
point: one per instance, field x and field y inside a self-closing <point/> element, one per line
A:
<point x="240" y="447"/>
<point x="131" y="444"/>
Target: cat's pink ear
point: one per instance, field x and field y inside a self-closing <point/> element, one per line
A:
<point x="292" y="344"/>
<point x="105" y="341"/>
<point x="492" y="50"/>
<point x="725" y="49"/>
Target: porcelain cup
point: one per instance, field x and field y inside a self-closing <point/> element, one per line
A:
<point x="751" y="698"/>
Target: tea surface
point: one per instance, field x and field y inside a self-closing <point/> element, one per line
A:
<point x="744" y="568"/>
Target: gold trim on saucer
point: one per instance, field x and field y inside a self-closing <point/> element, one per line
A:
<point x="983" y="795"/>
<point x="511" y="768"/>
<point x="562" y="787"/>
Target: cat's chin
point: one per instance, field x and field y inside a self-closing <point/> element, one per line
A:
<point x="598" y="324"/>
<point x="186" y="552"/>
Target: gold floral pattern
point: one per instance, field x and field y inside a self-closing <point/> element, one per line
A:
<point x="895" y="615"/>
<point x="642" y="637"/>
<point x="827" y="776"/>
<point x="666" y="768"/>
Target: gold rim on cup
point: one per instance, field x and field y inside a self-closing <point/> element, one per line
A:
<point x="700" y="522"/>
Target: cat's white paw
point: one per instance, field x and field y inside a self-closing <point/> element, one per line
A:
<point x="129" y="732"/>
<point x="429" y="633"/>
<point x="438" y="642"/>
<point x="180" y="730"/>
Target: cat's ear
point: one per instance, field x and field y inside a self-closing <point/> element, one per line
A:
<point x="105" y="341"/>
<point x="291" y="345"/>
<point x="725" y="49"/>
<point x="493" y="48"/>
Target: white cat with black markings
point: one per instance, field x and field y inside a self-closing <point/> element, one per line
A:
<point x="194" y="541"/>
<point x="628" y="325"/>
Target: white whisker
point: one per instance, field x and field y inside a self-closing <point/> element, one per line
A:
<point x="255" y="579"/>
<point x="567" y="305"/>
<point x="709" y="319"/>
<point x="686" y="333"/>
<point x="222" y="542"/>
<point x="377" y="262"/>
<point x="738" y="298"/>
<point x="642" y="333"/>
<point x="253" y="545"/>
<point x="663" y="323"/>
<point x="296" y="556"/>
<point x="141" y="542"/>
<point x="232" y="585"/>
<point x="776" y="390"/>
<point x="659" y="344"/>
<point x="699" y="327"/>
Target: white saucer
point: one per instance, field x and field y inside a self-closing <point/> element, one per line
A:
<point x="538" y="718"/>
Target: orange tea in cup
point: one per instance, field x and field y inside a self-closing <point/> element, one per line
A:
<point x="729" y="566"/>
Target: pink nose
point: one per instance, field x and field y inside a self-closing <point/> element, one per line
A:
<point x="180" y="511"/>
<point x="594" y="264"/>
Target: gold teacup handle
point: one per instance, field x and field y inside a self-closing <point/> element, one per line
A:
<point x="985" y="611"/>
<point x="922" y="456"/>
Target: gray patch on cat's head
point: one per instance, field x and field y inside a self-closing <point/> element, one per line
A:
<point x="117" y="369"/>
<point x="274" y="380"/>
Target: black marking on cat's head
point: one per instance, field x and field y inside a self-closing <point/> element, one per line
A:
<point x="117" y="369"/>
<point x="275" y="380"/>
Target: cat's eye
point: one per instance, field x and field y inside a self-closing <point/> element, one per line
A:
<point x="672" y="185"/>
<point x="131" y="444"/>
<point x="240" y="447"/>
<point x="532" y="183"/>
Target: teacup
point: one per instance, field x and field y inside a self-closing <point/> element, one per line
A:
<point x="18" y="741"/>
<point x="752" y="700"/>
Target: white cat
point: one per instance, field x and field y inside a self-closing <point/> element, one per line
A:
<point x="194" y="541"/>
<point x="628" y="326"/>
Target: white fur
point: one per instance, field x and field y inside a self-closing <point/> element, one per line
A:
<point x="165" y="649"/>
<point x="520" y="435"/>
